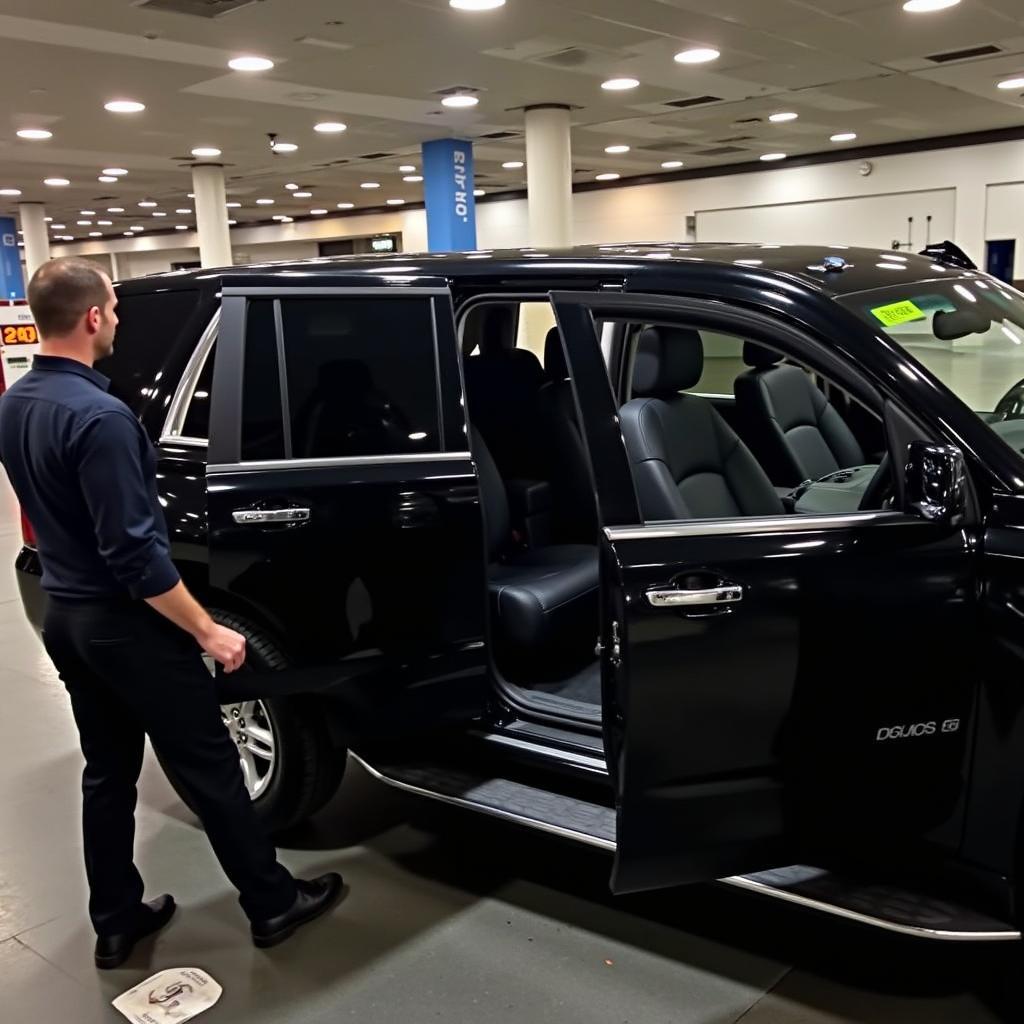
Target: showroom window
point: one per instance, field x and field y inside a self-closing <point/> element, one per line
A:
<point x="362" y="376"/>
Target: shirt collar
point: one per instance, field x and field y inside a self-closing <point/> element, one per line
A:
<point x="59" y="364"/>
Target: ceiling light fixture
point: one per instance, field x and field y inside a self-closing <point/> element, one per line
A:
<point x="283" y="147"/>
<point x="181" y="227"/>
<point x="787" y="115"/>
<point x="56" y="182"/>
<point x="346" y="206"/>
<point x="264" y="202"/>
<point x="87" y="213"/>
<point x="460" y="100"/>
<point x="10" y="191"/>
<point x="843" y="137"/>
<point x="370" y="184"/>
<point x="116" y="172"/>
<point x="124" y="106"/>
<point x="279" y="216"/>
<point x="608" y="176"/>
<point x="107" y="179"/>
<point x="202" y="151"/>
<point x="184" y="212"/>
<point x="407" y="169"/>
<point x="291" y="186"/>
<point x="476" y="5"/>
<point x="671" y="165"/>
<point x="232" y="223"/>
<point x="478" y="192"/>
<point x="58" y="227"/>
<point x="159" y="213"/>
<point x="697" y="55"/>
<point x="95" y="234"/>
<point x="413" y="179"/>
<point x="303" y="195"/>
<point x="924" y="6"/>
<point x="105" y="223"/>
<point x="620" y="84"/>
<point x="1012" y="83"/>
<point x="773" y="156"/>
<point x="396" y="202"/>
<point x="136" y="227"/>
<point x="330" y="127"/>
<point x="147" y="204"/>
<point x="512" y="165"/>
<point x="318" y="213"/>
<point x="250" y="63"/>
<point x="84" y="223"/>
<point x="36" y="134"/>
<point x="616" y="149"/>
<point x="233" y="206"/>
<point x="115" y="209"/>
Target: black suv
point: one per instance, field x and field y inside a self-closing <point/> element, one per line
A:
<point x="708" y="555"/>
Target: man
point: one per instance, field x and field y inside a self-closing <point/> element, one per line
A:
<point x="123" y="630"/>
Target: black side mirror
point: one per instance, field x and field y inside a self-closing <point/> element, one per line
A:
<point x="936" y="482"/>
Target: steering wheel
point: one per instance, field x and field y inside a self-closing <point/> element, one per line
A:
<point x="880" y="488"/>
<point x="1011" y="405"/>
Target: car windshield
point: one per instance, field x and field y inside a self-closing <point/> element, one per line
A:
<point x="968" y="332"/>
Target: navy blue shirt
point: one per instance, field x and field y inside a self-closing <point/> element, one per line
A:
<point x="85" y="473"/>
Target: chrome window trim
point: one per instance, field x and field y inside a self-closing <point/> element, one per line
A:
<point x="410" y="458"/>
<point x="182" y="441"/>
<point x="178" y="409"/>
<point x="733" y="527"/>
<point x="393" y="290"/>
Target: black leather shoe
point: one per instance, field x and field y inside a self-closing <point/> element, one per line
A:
<point x="113" y="950"/>
<point x="315" y="897"/>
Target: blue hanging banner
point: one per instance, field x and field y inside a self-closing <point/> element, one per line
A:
<point x="448" y="188"/>
<point x="12" y="283"/>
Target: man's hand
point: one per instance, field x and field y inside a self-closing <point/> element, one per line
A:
<point x="225" y="646"/>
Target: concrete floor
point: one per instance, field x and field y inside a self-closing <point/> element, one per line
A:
<point x="450" y="917"/>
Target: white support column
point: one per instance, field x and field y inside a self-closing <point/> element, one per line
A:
<point x="35" y="234"/>
<point x="115" y="270"/>
<point x="549" y="176"/>
<point x="211" y="215"/>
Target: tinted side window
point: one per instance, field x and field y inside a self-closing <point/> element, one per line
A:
<point x="197" y="418"/>
<point x="362" y="377"/>
<point x="723" y="363"/>
<point x="148" y="330"/>
<point x="262" y="426"/>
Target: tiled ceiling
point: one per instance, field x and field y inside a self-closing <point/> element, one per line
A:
<point x="380" y="66"/>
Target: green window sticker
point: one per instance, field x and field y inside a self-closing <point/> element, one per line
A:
<point x="899" y="313"/>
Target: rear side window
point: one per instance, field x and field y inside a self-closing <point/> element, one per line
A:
<point x="197" y="418"/>
<point x="723" y="363"/>
<point x="262" y="425"/>
<point x="362" y="376"/>
<point x="148" y="331"/>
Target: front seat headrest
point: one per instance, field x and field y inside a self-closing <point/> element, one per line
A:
<point x="497" y="330"/>
<point x="554" y="356"/>
<point x="759" y="356"/>
<point x="668" y="360"/>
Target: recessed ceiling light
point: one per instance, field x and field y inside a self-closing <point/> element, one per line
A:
<point x="104" y="223"/>
<point x="330" y="127"/>
<point x="413" y="179"/>
<point x="370" y="184"/>
<point x="264" y="202"/>
<point x="697" y="55"/>
<point x="84" y="223"/>
<point x="206" y="151"/>
<point x="117" y="172"/>
<point x="10" y="191"/>
<point x="49" y="220"/>
<point x="233" y="206"/>
<point x="58" y="227"/>
<point x="279" y="216"/>
<point x="36" y="134"/>
<point x="147" y="204"/>
<point x="284" y="147"/>
<point x="124" y="106"/>
<point x="129" y="234"/>
<point x="671" y="165"/>
<point x="460" y="99"/>
<point x="843" y="137"/>
<point x="616" y="149"/>
<point x="923" y="6"/>
<point x="608" y="176"/>
<point x="291" y="186"/>
<point x="159" y="213"/>
<point x="1012" y="83"/>
<point x="620" y="84"/>
<point x="191" y="195"/>
<point x="184" y="212"/>
<point x="137" y="227"/>
<point x="107" y="179"/>
<point x="317" y="213"/>
<point x="408" y="168"/>
<point x="87" y="213"/>
<point x="56" y="182"/>
<point x="302" y="195"/>
<point x="773" y="156"/>
<point x="476" y="5"/>
<point x="181" y="227"/>
<point x="346" y="206"/>
<point x="95" y="234"/>
<point x="478" y="192"/>
<point x="232" y="223"/>
<point x="512" y="165"/>
<point x="396" y="202"/>
<point x="115" y="209"/>
<point x="250" y="63"/>
<point x="786" y="115"/>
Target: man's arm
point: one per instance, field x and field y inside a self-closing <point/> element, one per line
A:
<point x="108" y="458"/>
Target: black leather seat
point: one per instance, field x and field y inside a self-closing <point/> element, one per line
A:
<point x="688" y="463"/>
<point x="543" y="601"/>
<point x="574" y="505"/>
<point x="799" y="435"/>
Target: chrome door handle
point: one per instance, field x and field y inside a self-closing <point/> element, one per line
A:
<point x="260" y="516"/>
<point x="717" y="596"/>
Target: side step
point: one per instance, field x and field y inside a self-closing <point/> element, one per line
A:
<point x="889" y="907"/>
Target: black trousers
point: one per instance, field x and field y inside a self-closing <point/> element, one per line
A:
<point x="130" y="672"/>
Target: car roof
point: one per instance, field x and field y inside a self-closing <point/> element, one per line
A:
<point x="856" y="269"/>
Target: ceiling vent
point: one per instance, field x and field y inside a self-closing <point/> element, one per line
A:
<point x="748" y="120"/>
<point x="571" y="57"/>
<point x="974" y="51"/>
<point x="720" y="151"/>
<point x="693" y="101"/>
<point x="665" y="146"/>
<point x="501" y="135"/>
<point x="196" y="8"/>
<point x="735" y="138"/>
<point x="374" y="156"/>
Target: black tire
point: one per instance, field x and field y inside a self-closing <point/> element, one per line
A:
<point x="308" y="768"/>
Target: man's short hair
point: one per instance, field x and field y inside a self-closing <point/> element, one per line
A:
<point x="62" y="291"/>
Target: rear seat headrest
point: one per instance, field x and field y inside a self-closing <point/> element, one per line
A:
<point x="554" y="356"/>
<point x="497" y="330"/>
<point x="760" y="356"/>
<point x="668" y="360"/>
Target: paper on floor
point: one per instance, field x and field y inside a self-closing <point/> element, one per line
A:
<point x="170" y="997"/>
